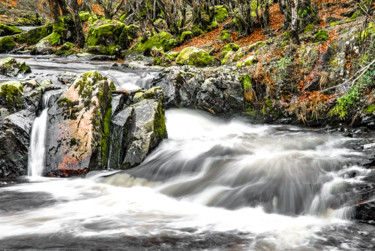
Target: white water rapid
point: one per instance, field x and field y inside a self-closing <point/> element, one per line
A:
<point x="213" y="185"/>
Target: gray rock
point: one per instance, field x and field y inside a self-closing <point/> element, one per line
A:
<point x="149" y="130"/>
<point x="11" y="68"/>
<point x="14" y="143"/>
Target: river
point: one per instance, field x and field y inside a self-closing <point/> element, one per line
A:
<point x="214" y="184"/>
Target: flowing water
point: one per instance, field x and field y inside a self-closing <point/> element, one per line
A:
<point x="213" y="185"/>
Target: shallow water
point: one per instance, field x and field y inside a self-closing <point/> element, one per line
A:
<point x="213" y="185"/>
<point x="48" y="67"/>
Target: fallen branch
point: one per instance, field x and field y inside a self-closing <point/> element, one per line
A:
<point x="361" y="72"/>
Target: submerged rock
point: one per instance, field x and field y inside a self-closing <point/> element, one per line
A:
<point x="78" y="126"/>
<point x="11" y="68"/>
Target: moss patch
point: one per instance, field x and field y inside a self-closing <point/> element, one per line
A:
<point x="194" y="56"/>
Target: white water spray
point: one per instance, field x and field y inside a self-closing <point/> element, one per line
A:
<point x="37" y="152"/>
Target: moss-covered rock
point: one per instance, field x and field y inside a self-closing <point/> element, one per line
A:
<point x="83" y="112"/>
<point x="10" y="67"/>
<point x="33" y="36"/>
<point x="11" y="95"/>
<point x="194" y="56"/>
<point x="66" y="49"/>
<point x="105" y="33"/>
<point x="187" y="35"/>
<point x="161" y="40"/>
<point x="7" y="44"/>
<point x="225" y="36"/>
<point x="84" y="16"/>
<point x="6" y="30"/>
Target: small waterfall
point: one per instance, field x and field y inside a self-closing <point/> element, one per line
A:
<point x="37" y="152"/>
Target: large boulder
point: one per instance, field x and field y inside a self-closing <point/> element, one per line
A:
<point x="137" y="129"/>
<point x="217" y="90"/>
<point x="11" y="68"/>
<point x="6" y="30"/>
<point x="79" y="125"/>
<point x="194" y="56"/>
<point x="14" y="143"/>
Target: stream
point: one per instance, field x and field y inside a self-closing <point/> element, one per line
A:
<point x="214" y="184"/>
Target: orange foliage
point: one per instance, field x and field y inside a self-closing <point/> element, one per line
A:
<point x="12" y="3"/>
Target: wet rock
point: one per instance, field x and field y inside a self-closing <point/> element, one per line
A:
<point x="138" y="128"/>
<point x="14" y="143"/>
<point x="217" y="90"/>
<point x="44" y="46"/>
<point x="149" y="130"/>
<point x="78" y="126"/>
<point x="121" y="131"/>
<point x="11" y="95"/>
<point x="11" y="68"/>
<point x="67" y="77"/>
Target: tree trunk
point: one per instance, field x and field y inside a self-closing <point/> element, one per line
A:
<point x="80" y="37"/>
<point x="294" y="7"/>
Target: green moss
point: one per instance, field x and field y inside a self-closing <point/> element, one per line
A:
<point x="239" y="55"/>
<point x="172" y="55"/>
<point x="194" y="56"/>
<point x="287" y="35"/>
<point x="346" y="103"/>
<point x="321" y="35"/>
<point x="160" y="40"/>
<point x="6" y="30"/>
<point x="73" y="141"/>
<point x="197" y="31"/>
<point x="186" y="35"/>
<point x="283" y="44"/>
<point x="370" y="109"/>
<point x="160" y="129"/>
<point x="11" y="95"/>
<point x="99" y="35"/>
<point x="309" y="28"/>
<point x="225" y="36"/>
<point x="7" y="44"/>
<point x="34" y="36"/>
<point x="230" y="47"/>
<point x="105" y="136"/>
<point x="84" y="16"/>
<point x="221" y="13"/>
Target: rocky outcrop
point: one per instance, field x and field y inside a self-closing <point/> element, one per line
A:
<point x="19" y="103"/>
<point x="217" y="90"/>
<point x="137" y="129"/>
<point x="78" y="126"/>
<point x="11" y="68"/>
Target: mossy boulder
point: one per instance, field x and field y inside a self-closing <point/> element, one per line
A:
<point x="33" y="36"/>
<point x="161" y="40"/>
<point x="194" y="56"/>
<point x="105" y="33"/>
<point x="225" y="36"/>
<point x="10" y="67"/>
<point x="6" y="30"/>
<point x="162" y="58"/>
<point x="82" y="112"/>
<point x="149" y="131"/>
<point x="7" y="44"/>
<point x="11" y="95"/>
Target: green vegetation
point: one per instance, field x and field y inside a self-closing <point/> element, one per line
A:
<point x="194" y="56"/>
<point x="321" y="35"/>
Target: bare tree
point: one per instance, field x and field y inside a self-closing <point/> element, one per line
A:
<point x="110" y="7"/>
